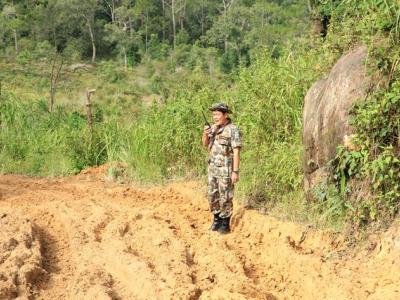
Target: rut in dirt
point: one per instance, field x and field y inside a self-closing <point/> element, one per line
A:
<point x="103" y="239"/>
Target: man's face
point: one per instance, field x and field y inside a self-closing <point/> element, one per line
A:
<point x="219" y="117"/>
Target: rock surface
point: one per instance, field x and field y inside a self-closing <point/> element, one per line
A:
<point x="325" y="114"/>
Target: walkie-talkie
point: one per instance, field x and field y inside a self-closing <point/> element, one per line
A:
<point x="205" y="120"/>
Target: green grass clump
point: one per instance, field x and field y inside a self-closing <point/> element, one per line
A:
<point x="37" y="142"/>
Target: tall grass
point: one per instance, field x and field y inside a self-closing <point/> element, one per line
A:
<point x="36" y="142"/>
<point x="163" y="140"/>
<point x="268" y="100"/>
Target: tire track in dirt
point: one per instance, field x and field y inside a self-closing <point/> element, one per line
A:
<point x="22" y="195"/>
<point x="111" y="241"/>
<point x="204" y="243"/>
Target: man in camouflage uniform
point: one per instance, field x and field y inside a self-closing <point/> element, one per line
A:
<point x="223" y="142"/>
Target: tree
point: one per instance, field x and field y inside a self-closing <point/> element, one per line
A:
<point x="176" y="6"/>
<point x="45" y="20"/>
<point x="12" y="23"/>
<point x="121" y="31"/>
<point x="143" y="9"/>
<point x="85" y="11"/>
<point x="111" y="6"/>
<point x="229" y="27"/>
<point x="227" y="4"/>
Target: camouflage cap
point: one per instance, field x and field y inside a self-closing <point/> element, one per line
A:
<point x="220" y="107"/>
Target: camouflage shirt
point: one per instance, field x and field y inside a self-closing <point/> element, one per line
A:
<point x="221" y="147"/>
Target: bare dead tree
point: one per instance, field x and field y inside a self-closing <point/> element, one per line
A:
<point x="54" y="77"/>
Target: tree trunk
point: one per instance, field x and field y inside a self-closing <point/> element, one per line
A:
<point x="173" y="3"/>
<point x="125" y="59"/>
<point x="182" y="15"/>
<point x="52" y="89"/>
<point x="92" y="40"/>
<point x="225" y="17"/>
<point x="15" y="36"/>
<point x="52" y="98"/>
<point x="111" y="7"/>
<point x="202" y="17"/>
<point x="227" y="5"/>
<point x="113" y="12"/>
<point x="147" y="19"/>
<point x="310" y="6"/>
<point x="16" y="42"/>
<point x="54" y="38"/>
<point x="262" y="18"/>
<point x="163" y="27"/>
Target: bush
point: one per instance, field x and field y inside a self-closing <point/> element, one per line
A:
<point x="43" y="49"/>
<point x="375" y="158"/>
<point x="228" y="61"/>
<point x="74" y="50"/>
<point x="182" y="37"/>
<point x="156" y="49"/>
<point x="24" y="57"/>
<point x="111" y="72"/>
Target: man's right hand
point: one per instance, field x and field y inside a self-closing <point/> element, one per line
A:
<point x="207" y="130"/>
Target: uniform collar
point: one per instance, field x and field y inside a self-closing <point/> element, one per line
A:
<point x="221" y="129"/>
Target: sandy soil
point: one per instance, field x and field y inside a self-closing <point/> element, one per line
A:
<point x="83" y="237"/>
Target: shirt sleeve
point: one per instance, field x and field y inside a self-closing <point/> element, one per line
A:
<point x="236" y="138"/>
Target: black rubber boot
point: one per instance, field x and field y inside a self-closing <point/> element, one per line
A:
<point x="225" y="225"/>
<point x="216" y="223"/>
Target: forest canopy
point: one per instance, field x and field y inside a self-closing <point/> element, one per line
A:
<point x="133" y="29"/>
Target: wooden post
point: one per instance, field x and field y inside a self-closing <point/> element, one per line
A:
<point x="88" y="106"/>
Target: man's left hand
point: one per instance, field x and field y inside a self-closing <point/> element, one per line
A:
<point x="234" y="177"/>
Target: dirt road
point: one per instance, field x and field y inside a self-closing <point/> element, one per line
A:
<point x="83" y="237"/>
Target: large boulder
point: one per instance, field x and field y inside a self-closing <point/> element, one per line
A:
<point x="326" y="112"/>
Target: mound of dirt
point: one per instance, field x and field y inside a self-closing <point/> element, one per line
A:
<point x="20" y="257"/>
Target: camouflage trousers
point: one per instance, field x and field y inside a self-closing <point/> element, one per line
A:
<point x="220" y="195"/>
